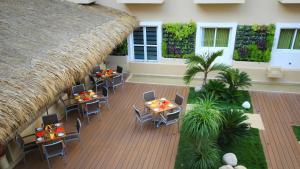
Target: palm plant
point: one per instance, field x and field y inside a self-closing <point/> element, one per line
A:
<point x="234" y="126"/>
<point x="235" y="79"/>
<point x="202" y="63"/>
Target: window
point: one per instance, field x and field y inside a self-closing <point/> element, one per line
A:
<point x="215" y="37"/>
<point x="289" y="39"/>
<point x="212" y="37"/>
<point x="145" y="42"/>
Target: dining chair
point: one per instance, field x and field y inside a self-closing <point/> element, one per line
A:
<point x="169" y="119"/>
<point x="26" y="147"/>
<point x="54" y="149"/>
<point x="119" y="69"/>
<point x="116" y="81"/>
<point x="149" y="96"/>
<point x="91" y="108"/>
<point x="96" y="69"/>
<point x="78" y="88"/>
<point x="142" y="118"/>
<point x="104" y="99"/>
<point x="74" y="136"/>
<point x="178" y="101"/>
<point x="49" y="119"/>
<point x="99" y="84"/>
<point x="69" y="108"/>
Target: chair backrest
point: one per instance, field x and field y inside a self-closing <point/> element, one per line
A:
<point x="104" y="91"/>
<point x="100" y="82"/>
<point x="78" y="89"/>
<point x="119" y="69"/>
<point x="172" y="116"/>
<point x="96" y="69"/>
<point x="92" y="106"/>
<point x="19" y="140"/>
<point x="137" y="112"/>
<point x="53" y="148"/>
<point x="50" y="119"/>
<point x="117" y="80"/>
<point x="148" y="96"/>
<point x="179" y="100"/>
<point x="78" y="125"/>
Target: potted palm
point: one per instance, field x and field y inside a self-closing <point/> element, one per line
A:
<point x="3" y="159"/>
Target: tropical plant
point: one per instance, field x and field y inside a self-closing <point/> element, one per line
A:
<point x="235" y="79"/>
<point x="217" y="87"/>
<point x="234" y="127"/>
<point x="206" y="155"/>
<point x="204" y="64"/>
<point x="203" y="121"/>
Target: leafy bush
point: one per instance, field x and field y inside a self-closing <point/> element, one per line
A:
<point x="203" y="121"/>
<point x="234" y="127"/>
<point x="206" y="155"/>
<point x="178" y="40"/>
<point x="217" y="87"/>
<point x="254" y="43"/>
<point x="121" y="49"/>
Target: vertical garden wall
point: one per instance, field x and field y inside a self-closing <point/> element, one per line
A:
<point x="178" y="40"/>
<point x="254" y="43"/>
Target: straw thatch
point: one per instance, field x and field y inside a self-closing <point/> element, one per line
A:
<point x="45" y="46"/>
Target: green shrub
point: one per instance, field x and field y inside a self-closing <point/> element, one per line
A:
<point x="121" y="49"/>
<point x="217" y="87"/>
<point x="234" y="127"/>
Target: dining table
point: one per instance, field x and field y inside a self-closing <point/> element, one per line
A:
<point x="86" y="96"/>
<point x="50" y="133"/>
<point x="159" y="106"/>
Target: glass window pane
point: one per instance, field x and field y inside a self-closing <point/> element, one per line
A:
<point x="151" y="53"/>
<point x="151" y="33"/>
<point x="138" y="37"/>
<point x="297" y="40"/>
<point x="139" y="52"/>
<point x="286" y="38"/>
<point x="209" y="35"/>
<point x="222" y="37"/>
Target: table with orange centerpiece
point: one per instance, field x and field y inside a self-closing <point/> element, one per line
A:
<point x="106" y="74"/>
<point x="53" y="132"/>
<point x="159" y="106"/>
<point x="87" y="96"/>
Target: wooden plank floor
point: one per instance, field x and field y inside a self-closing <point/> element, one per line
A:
<point x="279" y="111"/>
<point x="114" y="141"/>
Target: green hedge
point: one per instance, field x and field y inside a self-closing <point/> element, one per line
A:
<point x="254" y="43"/>
<point x="178" y="40"/>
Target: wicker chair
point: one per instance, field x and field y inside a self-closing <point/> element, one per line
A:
<point x="149" y="96"/>
<point x="142" y="118"/>
<point x="117" y="81"/>
<point x="69" y="108"/>
<point x="104" y="99"/>
<point x="26" y="147"/>
<point x="169" y="119"/>
<point x="50" y="119"/>
<point x="74" y="136"/>
<point x="53" y="150"/>
<point x="91" y="108"/>
<point x="78" y="88"/>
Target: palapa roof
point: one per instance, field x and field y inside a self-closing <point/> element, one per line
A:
<point x="45" y="46"/>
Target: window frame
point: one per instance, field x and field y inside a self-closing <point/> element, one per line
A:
<point x="131" y="44"/>
<point x="231" y="39"/>
<point x="280" y="26"/>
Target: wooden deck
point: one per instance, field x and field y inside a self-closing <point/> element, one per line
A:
<point x="113" y="140"/>
<point x="279" y="112"/>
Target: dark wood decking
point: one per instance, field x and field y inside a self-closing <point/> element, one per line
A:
<point x="113" y="140"/>
<point x="279" y="112"/>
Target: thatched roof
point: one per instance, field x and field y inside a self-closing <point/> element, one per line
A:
<point x="45" y="46"/>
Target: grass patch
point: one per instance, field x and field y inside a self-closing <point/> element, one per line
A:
<point x="249" y="151"/>
<point x="245" y="96"/>
<point x="296" y="130"/>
